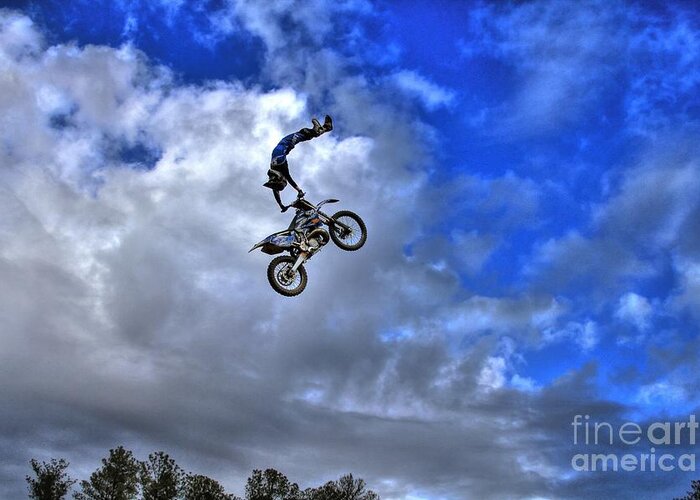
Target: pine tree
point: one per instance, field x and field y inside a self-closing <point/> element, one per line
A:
<point x="117" y="479"/>
<point x="52" y="482"/>
<point x="198" y="487"/>
<point x="694" y="493"/>
<point x="161" y="478"/>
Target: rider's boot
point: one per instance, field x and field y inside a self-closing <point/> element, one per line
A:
<point x="318" y="129"/>
<point x="310" y="133"/>
<point x="327" y="124"/>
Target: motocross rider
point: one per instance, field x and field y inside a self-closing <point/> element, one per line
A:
<point x="278" y="174"/>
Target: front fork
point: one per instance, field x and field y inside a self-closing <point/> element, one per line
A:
<point x="303" y="256"/>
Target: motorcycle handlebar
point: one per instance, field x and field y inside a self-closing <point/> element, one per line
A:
<point x="301" y="203"/>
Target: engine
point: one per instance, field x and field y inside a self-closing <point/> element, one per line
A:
<point x="317" y="238"/>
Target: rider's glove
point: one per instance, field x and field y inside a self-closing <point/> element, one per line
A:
<point x="300" y="194"/>
<point x="284" y="209"/>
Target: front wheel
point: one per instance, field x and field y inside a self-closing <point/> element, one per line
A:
<point x="283" y="280"/>
<point x="353" y="235"/>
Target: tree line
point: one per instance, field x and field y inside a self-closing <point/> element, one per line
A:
<point x="123" y="477"/>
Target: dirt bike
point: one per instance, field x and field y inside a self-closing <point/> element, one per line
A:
<point x="304" y="237"/>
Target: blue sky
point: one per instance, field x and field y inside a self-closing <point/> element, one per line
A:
<point x="529" y="173"/>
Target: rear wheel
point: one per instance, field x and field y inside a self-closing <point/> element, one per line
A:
<point x="283" y="280"/>
<point x="353" y="235"/>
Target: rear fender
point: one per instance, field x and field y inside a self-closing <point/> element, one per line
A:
<point x="281" y="240"/>
<point x="258" y="245"/>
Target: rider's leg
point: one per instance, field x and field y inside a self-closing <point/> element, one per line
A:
<point x="305" y="134"/>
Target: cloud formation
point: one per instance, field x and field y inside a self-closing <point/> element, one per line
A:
<point x="133" y="314"/>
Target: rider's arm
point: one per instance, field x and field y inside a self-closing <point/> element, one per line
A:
<point x="291" y="181"/>
<point x="279" y="201"/>
<point x="294" y="185"/>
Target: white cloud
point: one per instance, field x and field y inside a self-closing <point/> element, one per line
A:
<point x="525" y="384"/>
<point x="687" y="294"/>
<point x="662" y="392"/>
<point x="431" y="95"/>
<point x="281" y="23"/>
<point x="18" y="37"/>
<point x="564" y="54"/>
<point x="574" y="258"/>
<point x="655" y="199"/>
<point x="664" y="83"/>
<point x="570" y="56"/>
<point x="634" y="309"/>
<point x="584" y="334"/>
<point x="492" y="375"/>
<point x="651" y="212"/>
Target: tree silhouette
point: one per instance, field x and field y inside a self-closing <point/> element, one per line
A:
<point x="271" y="485"/>
<point x="198" y="487"/>
<point x="354" y="489"/>
<point x="161" y="478"/>
<point x="345" y="488"/>
<point x="52" y="482"/>
<point x="117" y="479"/>
<point x="122" y="477"/>
<point x="694" y="493"/>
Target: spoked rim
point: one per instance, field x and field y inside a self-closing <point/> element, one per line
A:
<point x="281" y="274"/>
<point x="351" y="237"/>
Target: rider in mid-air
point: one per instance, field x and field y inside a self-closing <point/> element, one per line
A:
<point x="278" y="175"/>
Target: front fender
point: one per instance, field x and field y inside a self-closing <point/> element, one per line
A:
<point x="329" y="200"/>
